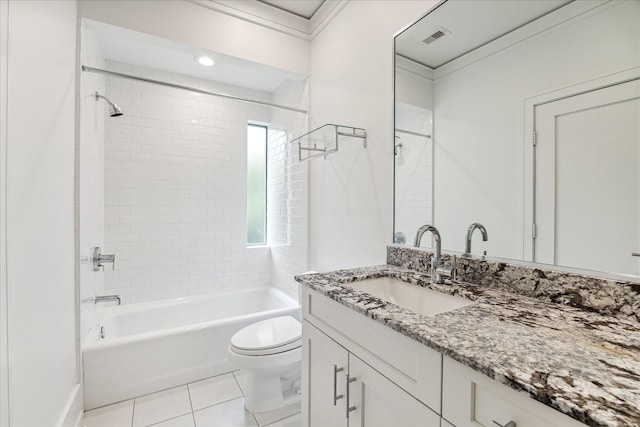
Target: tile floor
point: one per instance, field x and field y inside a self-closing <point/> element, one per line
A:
<point x="214" y="402"/>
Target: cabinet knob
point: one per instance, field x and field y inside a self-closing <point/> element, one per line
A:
<point x="508" y="424"/>
<point x="336" y="396"/>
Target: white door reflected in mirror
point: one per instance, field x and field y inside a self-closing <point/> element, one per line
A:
<point x="587" y="191"/>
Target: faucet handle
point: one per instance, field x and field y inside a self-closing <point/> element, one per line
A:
<point x="454" y="269"/>
<point x="97" y="259"/>
<point x="448" y="271"/>
<point x="107" y="259"/>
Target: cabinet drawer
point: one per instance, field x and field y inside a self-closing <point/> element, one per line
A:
<point x="470" y="398"/>
<point x="412" y="366"/>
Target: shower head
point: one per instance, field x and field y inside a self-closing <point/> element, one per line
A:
<point x="114" y="110"/>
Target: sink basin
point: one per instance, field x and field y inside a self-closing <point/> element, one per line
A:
<point x="415" y="298"/>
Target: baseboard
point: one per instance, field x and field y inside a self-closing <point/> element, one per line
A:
<point x="74" y="409"/>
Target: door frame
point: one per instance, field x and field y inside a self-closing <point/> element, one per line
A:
<point x="4" y="329"/>
<point x="529" y="157"/>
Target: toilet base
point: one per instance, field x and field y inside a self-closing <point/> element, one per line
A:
<point x="268" y="392"/>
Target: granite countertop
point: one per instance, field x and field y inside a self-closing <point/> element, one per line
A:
<point x="581" y="363"/>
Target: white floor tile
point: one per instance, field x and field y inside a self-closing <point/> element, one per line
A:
<point x="292" y="421"/>
<point x="228" y="414"/>
<point x="214" y="390"/>
<point x="183" y="421"/>
<point x="118" y="414"/>
<point x="267" y="418"/>
<point x="156" y="407"/>
<point x="242" y="381"/>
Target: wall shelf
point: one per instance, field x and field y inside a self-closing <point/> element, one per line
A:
<point x="324" y="140"/>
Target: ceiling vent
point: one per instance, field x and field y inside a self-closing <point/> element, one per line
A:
<point x="441" y="32"/>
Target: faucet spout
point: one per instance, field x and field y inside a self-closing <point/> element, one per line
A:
<point x="436" y="237"/>
<point x="104" y="298"/>
<point x="470" y="230"/>
<point x="438" y="269"/>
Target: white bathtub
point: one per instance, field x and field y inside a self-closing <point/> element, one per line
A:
<point x="152" y="346"/>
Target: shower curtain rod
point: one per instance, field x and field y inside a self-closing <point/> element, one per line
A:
<point x="192" y="89"/>
<point x="423" y="135"/>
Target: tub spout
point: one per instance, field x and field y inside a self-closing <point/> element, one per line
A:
<point x="105" y="298"/>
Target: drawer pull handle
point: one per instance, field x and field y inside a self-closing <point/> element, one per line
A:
<point x="509" y="424"/>
<point x="350" y="408"/>
<point x="336" y="396"/>
<point x="635" y="253"/>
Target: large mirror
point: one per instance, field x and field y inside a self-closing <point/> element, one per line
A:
<point x="523" y="116"/>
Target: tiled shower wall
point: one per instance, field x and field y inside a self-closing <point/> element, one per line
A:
<point x="175" y="189"/>
<point x="287" y="202"/>
<point x="413" y="170"/>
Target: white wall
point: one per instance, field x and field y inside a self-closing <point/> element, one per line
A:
<point x="287" y="183"/>
<point x="351" y="192"/>
<point x="189" y="23"/>
<point x="90" y="182"/>
<point x="175" y="189"/>
<point x="40" y="133"/>
<point x="479" y="122"/>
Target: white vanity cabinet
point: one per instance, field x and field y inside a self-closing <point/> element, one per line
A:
<point x="337" y="379"/>
<point x="397" y="381"/>
<point x="325" y="364"/>
<point x="470" y="398"/>
<point x="391" y="382"/>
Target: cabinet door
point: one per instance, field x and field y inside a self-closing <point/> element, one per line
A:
<point x="324" y="369"/>
<point x="378" y="402"/>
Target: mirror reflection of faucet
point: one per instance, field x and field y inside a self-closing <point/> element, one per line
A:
<point x="470" y="230"/>
<point x="439" y="269"/>
<point x="97" y="259"/>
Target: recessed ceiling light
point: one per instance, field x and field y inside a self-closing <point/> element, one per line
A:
<point x="205" y="60"/>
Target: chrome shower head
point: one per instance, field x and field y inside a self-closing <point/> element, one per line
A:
<point x="114" y="110"/>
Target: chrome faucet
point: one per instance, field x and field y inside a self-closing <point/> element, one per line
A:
<point x="436" y="236"/>
<point x="470" y="230"/>
<point x="438" y="268"/>
<point x="105" y="298"/>
<point x="97" y="259"/>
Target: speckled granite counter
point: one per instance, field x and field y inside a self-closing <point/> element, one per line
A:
<point x="581" y="363"/>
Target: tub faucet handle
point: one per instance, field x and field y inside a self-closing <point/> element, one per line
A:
<point x="97" y="259"/>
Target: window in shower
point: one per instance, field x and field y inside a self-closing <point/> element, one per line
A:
<point x="256" y="184"/>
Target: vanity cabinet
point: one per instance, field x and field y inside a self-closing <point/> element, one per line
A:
<point x="393" y="380"/>
<point x="397" y="381"/>
<point x="338" y="380"/>
<point x="470" y="398"/>
<point x="324" y="364"/>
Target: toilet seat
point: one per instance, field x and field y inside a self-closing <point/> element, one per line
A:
<point x="267" y="337"/>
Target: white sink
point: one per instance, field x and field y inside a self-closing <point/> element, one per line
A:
<point x="412" y="297"/>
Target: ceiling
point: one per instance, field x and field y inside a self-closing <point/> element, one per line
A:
<point x="123" y="45"/>
<point x="464" y="23"/>
<point x="299" y="18"/>
<point x="302" y="8"/>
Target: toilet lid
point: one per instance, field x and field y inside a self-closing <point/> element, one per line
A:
<point x="271" y="336"/>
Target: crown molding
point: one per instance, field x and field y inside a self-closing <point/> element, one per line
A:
<point x="276" y="19"/>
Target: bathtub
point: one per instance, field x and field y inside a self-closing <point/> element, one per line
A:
<point x="153" y="346"/>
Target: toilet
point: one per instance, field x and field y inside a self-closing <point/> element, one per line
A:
<point x="269" y="352"/>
